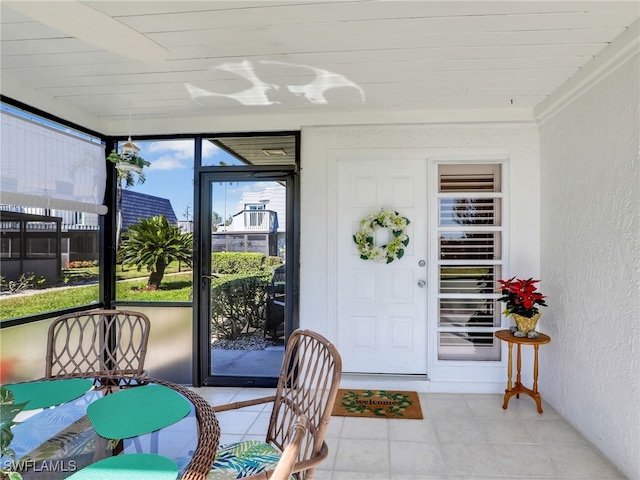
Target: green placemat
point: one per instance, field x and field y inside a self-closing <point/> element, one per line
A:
<point x="136" y="411"/>
<point x="136" y="466"/>
<point x="49" y="392"/>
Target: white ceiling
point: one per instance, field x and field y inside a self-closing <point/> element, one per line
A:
<point x="205" y="66"/>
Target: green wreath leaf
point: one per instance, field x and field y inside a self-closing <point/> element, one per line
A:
<point x="388" y="219"/>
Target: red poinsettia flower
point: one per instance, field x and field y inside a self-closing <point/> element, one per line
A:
<point x="521" y="296"/>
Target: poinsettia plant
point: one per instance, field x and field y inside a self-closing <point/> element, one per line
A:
<point x="521" y="296"/>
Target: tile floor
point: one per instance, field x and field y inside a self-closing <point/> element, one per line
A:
<point x="462" y="437"/>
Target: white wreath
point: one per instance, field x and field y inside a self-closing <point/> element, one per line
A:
<point x="386" y="253"/>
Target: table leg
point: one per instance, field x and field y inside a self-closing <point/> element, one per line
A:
<point x="509" y="373"/>
<point x="516" y="388"/>
<point x="518" y="379"/>
<point x="536" y="395"/>
<point x="535" y="369"/>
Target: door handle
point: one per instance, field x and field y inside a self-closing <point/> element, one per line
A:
<point x="203" y="279"/>
<point x="421" y="283"/>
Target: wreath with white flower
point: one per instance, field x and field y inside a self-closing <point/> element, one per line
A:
<point x="391" y="220"/>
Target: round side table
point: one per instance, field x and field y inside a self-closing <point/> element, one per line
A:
<point x="517" y="388"/>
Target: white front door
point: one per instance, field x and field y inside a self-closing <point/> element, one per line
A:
<point x="381" y="315"/>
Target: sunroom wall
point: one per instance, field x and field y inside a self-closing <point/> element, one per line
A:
<point x="169" y="353"/>
<point x="590" y="263"/>
<point x="517" y="142"/>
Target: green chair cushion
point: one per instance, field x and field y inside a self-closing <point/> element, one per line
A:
<point x="135" y="466"/>
<point x="136" y="411"/>
<point x="47" y="393"/>
<point x="243" y="459"/>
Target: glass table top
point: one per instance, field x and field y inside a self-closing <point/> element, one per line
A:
<point x="53" y="443"/>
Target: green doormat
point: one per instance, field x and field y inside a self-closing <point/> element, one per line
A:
<point x="377" y="404"/>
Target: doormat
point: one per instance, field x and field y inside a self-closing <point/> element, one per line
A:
<point x="377" y="404"/>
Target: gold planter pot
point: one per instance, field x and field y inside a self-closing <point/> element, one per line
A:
<point x="526" y="324"/>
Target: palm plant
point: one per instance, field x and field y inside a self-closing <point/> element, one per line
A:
<point x="154" y="243"/>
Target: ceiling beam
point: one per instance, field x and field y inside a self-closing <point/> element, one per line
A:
<point x="94" y="27"/>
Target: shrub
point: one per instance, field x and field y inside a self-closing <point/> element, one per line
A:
<point x="272" y="262"/>
<point x="238" y="302"/>
<point x="233" y="263"/>
<point x="25" y="281"/>
<point x="82" y="264"/>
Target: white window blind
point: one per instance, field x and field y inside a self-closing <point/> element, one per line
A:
<point x="469" y="261"/>
<point x="44" y="167"/>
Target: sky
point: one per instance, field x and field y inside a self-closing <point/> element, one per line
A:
<point x="170" y="175"/>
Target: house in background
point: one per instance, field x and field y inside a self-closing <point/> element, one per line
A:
<point x="43" y="241"/>
<point x="185" y="226"/>
<point x="30" y="243"/>
<point x="258" y="225"/>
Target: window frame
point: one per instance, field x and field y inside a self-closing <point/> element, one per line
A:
<point x="438" y="365"/>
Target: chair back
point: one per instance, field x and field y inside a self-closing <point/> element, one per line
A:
<point x="98" y="343"/>
<point x="307" y="386"/>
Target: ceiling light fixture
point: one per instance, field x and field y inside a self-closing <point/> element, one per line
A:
<point x="274" y="152"/>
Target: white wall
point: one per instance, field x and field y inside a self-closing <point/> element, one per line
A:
<point x="591" y="263"/>
<point x="517" y="141"/>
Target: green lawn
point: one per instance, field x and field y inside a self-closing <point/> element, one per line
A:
<point x="77" y="274"/>
<point x="174" y="288"/>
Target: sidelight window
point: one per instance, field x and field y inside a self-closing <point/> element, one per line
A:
<point x="470" y="258"/>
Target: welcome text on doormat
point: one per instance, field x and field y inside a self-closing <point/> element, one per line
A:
<point x="377" y="404"/>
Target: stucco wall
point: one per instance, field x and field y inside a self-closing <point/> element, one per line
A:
<point x="591" y="264"/>
<point x="517" y="141"/>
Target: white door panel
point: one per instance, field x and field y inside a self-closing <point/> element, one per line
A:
<point x="381" y="310"/>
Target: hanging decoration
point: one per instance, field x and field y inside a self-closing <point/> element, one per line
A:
<point x="128" y="159"/>
<point x="390" y="220"/>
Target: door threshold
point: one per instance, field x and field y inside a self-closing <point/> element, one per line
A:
<point x="377" y="377"/>
<point x="417" y="383"/>
<point x="384" y="381"/>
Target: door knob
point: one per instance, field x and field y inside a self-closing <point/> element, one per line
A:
<point x="421" y="283"/>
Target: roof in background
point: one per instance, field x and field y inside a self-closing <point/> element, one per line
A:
<point x="136" y="206"/>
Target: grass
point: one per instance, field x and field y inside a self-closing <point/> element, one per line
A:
<point x="91" y="273"/>
<point x="19" y="306"/>
<point x="174" y="288"/>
